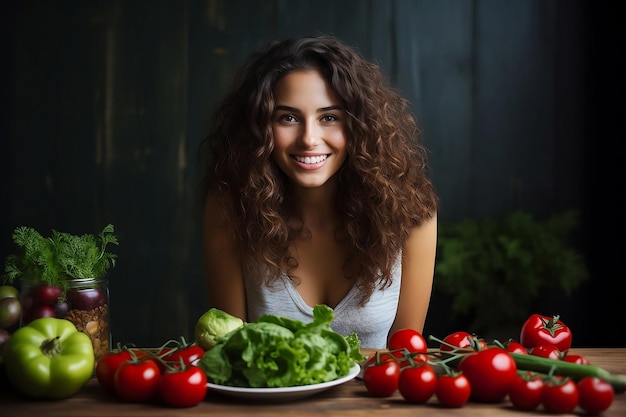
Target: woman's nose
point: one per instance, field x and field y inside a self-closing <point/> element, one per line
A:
<point x="310" y="135"/>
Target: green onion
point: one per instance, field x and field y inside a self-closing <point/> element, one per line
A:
<point x="573" y="370"/>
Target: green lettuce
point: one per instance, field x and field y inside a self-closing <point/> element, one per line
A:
<point x="277" y="351"/>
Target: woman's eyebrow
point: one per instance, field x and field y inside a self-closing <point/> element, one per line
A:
<point x="295" y="110"/>
<point x="286" y="108"/>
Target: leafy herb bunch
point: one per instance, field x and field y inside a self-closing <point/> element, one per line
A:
<point x="496" y="267"/>
<point x="62" y="256"/>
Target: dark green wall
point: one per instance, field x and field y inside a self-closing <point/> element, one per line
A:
<point x="105" y="102"/>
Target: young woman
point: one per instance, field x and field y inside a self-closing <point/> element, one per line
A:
<point x="317" y="193"/>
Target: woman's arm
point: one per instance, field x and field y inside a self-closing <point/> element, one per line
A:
<point x="418" y="268"/>
<point x="223" y="268"/>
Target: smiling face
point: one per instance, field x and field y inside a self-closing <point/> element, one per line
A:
<point x="309" y="129"/>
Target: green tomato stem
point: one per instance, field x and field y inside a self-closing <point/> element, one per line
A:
<point x="51" y="347"/>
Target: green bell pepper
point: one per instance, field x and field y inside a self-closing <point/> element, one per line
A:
<point x="49" y="358"/>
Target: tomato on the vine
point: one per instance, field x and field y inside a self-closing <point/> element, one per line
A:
<point x="183" y="387"/>
<point x="595" y="395"/>
<point x="560" y="395"/>
<point x="108" y="364"/>
<point x="378" y="358"/>
<point x="546" y="351"/>
<point x="189" y="354"/>
<point x="579" y="359"/>
<point x="490" y="372"/>
<point x="411" y="340"/>
<point x="381" y="378"/>
<point x="453" y="390"/>
<point x="525" y="391"/>
<point x="462" y="340"/>
<point x="417" y="384"/>
<point x="540" y="330"/>
<point x="137" y="381"/>
<point x="515" y="347"/>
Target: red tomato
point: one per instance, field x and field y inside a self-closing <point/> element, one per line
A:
<point x="137" y="381"/>
<point x="490" y="372"/>
<point x="546" y="351"/>
<point x="515" y="347"/>
<point x="594" y="395"/>
<point x="453" y="390"/>
<point x="381" y="357"/>
<point x="581" y="360"/>
<point x="540" y="330"/>
<point x="378" y="358"/>
<point x="189" y="354"/>
<point x="560" y="396"/>
<point x="185" y="387"/>
<point x="142" y="354"/>
<point x="170" y="358"/>
<point x="417" y="384"/>
<point x="409" y="339"/>
<point x="462" y="340"/>
<point x="525" y="391"/>
<point x="108" y="364"/>
<point x="381" y="380"/>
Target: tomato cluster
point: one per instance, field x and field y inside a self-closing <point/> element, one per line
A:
<point x="466" y="368"/>
<point x="405" y="368"/>
<point x="560" y="395"/>
<point x="547" y="337"/>
<point x="168" y="374"/>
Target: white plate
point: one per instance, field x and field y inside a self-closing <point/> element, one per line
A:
<point x="282" y="394"/>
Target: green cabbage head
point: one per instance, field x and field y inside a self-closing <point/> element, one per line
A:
<point x="213" y="325"/>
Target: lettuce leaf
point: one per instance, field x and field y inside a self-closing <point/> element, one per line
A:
<point x="278" y="351"/>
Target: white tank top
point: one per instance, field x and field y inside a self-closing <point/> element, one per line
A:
<point x="371" y="321"/>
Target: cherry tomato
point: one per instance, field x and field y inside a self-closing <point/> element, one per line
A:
<point x="417" y="384"/>
<point x="515" y="347"/>
<point x="189" y="354"/>
<point x="381" y="379"/>
<point x="137" y="381"/>
<point x="594" y="395"/>
<point x="409" y="339"/>
<point x="453" y="390"/>
<point x="462" y="340"/>
<point x="409" y="345"/>
<point x="378" y="358"/>
<point x="184" y="387"/>
<point x="108" y="364"/>
<point x="546" y="351"/>
<point x="490" y="372"/>
<point x="540" y="330"/>
<point x="525" y="391"/>
<point x="385" y="356"/>
<point x="581" y="360"/>
<point x="560" y="396"/>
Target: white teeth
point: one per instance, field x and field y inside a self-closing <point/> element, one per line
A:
<point x="311" y="159"/>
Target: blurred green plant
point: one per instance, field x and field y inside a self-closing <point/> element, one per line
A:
<point x="494" y="268"/>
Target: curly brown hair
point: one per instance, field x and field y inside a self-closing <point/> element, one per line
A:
<point x="384" y="187"/>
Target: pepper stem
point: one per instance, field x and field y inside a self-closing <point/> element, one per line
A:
<point x="51" y="347"/>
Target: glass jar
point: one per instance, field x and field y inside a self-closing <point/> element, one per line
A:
<point x="85" y="302"/>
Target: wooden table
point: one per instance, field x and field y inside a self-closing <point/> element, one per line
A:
<point x="350" y="399"/>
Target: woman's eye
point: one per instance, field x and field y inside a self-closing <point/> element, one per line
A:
<point x="329" y="118"/>
<point x="288" y="118"/>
